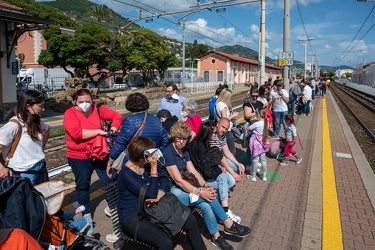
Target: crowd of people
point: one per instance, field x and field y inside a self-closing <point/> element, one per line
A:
<point x="205" y="149"/>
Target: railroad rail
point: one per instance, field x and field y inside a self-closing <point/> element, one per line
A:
<point x="363" y="116"/>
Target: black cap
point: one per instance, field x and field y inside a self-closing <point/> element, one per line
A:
<point x="163" y="113"/>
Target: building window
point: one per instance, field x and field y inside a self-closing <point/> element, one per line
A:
<point x="220" y="76"/>
<point x="206" y="76"/>
<point x="213" y="61"/>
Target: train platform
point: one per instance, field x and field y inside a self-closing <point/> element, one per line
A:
<point x="326" y="202"/>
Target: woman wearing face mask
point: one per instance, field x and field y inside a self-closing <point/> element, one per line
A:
<point x="189" y="114"/>
<point x="28" y="159"/>
<point x="82" y="125"/>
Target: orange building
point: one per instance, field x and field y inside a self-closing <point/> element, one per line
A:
<point x="219" y="67"/>
<point x="13" y="23"/>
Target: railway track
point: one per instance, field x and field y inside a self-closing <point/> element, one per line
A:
<point x="56" y="148"/>
<point x="360" y="107"/>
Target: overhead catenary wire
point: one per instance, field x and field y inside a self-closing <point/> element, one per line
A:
<point x="342" y="56"/>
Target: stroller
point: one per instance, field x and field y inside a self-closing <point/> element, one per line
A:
<point x="33" y="209"/>
<point x="58" y="233"/>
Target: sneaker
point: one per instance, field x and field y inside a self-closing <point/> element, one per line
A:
<point x="233" y="217"/>
<point x="111" y="237"/>
<point x="275" y="137"/>
<point x="238" y="230"/>
<point x="284" y="163"/>
<point x="78" y="208"/>
<point x="251" y="177"/>
<point x="108" y="211"/>
<point x="264" y="177"/>
<point x="299" y="160"/>
<point x="221" y="243"/>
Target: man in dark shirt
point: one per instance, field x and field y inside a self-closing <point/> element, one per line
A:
<point x="167" y="120"/>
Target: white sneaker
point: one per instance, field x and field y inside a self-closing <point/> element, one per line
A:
<point x="251" y="177"/>
<point x="264" y="178"/>
<point x="111" y="237"/>
<point x="233" y="217"/>
<point x="108" y="211"/>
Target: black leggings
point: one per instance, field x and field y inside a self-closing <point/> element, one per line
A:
<point x="156" y="237"/>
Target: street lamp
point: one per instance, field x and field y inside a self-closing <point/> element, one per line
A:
<point x="305" y="41"/>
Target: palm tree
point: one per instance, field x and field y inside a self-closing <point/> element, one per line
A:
<point x="101" y="11"/>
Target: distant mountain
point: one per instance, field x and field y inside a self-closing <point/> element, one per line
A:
<point x="242" y="51"/>
<point x="81" y="11"/>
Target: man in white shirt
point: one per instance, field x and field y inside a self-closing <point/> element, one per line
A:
<point x="172" y="102"/>
<point x="280" y="99"/>
<point x="307" y="92"/>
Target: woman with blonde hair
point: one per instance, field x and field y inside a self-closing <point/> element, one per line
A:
<point x="223" y="109"/>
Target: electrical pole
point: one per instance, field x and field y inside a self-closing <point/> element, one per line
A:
<point x="305" y="41"/>
<point x="286" y="41"/>
<point x="262" y="51"/>
<point x="183" y="53"/>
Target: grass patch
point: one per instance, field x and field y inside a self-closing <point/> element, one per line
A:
<point x="57" y="132"/>
<point x="69" y="180"/>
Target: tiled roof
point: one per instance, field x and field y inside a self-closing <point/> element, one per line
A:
<point x="240" y="59"/>
<point x="9" y="6"/>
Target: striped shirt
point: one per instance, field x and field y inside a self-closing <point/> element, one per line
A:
<point x="219" y="142"/>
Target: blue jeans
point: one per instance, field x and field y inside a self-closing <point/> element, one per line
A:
<point x="249" y="157"/>
<point x="221" y="185"/>
<point x="279" y="117"/>
<point x="306" y="108"/>
<point x="313" y="95"/>
<point x="212" y="212"/>
<point x="231" y="180"/>
<point x="230" y="142"/>
<point x="82" y="170"/>
<point x="323" y="92"/>
<point x="292" y="103"/>
<point x="34" y="178"/>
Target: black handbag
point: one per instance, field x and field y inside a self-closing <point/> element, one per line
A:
<point x="169" y="213"/>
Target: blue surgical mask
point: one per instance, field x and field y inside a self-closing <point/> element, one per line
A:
<point x="85" y="106"/>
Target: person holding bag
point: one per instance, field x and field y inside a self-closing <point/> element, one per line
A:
<point x="177" y="159"/>
<point x="138" y="104"/>
<point x="85" y="142"/>
<point x="141" y="168"/>
<point x="26" y="158"/>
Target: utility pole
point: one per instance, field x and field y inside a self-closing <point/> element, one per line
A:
<point x="183" y="53"/>
<point x="286" y="41"/>
<point x="305" y="41"/>
<point x="262" y="51"/>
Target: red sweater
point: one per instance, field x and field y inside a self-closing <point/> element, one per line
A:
<point x="75" y="122"/>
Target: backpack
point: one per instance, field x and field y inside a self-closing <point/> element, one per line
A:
<point x="296" y="90"/>
<point x="211" y="106"/>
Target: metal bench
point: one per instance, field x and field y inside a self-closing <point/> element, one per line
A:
<point x="112" y="200"/>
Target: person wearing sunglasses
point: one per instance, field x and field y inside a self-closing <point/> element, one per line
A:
<point x="28" y="159"/>
<point x="177" y="159"/>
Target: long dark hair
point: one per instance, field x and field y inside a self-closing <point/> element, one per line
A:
<point x="205" y="132"/>
<point x="32" y="122"/>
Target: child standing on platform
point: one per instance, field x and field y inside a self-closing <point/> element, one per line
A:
<point x="291" y="137"/>
<point x="259" y="145"/>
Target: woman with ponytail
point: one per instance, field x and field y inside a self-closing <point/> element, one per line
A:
<point x="28" y="159"/>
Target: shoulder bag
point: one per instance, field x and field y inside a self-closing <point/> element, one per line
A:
<point x="13" y="146"/>
<point x="169" y="213"/>
<point x="117" y="164"/>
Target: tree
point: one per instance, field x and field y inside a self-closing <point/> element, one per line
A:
<point x="58" y="51"/>
<point x="145" y="51"/>
<point x="100" y="12"/>
<point x="88" y="51"/>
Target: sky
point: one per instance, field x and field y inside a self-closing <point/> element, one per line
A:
<point x="342" y="29"/>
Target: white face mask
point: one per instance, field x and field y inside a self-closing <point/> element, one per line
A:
<point x="183" y="114"/>
<point x="84" y="106"/>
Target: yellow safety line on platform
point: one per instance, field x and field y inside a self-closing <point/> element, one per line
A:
<point x="331" y="233"/>
<point x="93" y="196"/>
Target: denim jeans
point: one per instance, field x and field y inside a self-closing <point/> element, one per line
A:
<point x="292" y="103"/>
<point x="82" y="170"/>
<point x="306" y="108"/>
<point x="79" y="223"/>
<point x="221" y="185"/>
<point x="212" y="212"/>
<point x="249" y="157"/>
<point x="35" y="177"/>
<point x="231" y="180"/>
<point x="313" y="95"/>
<point x="279" y="117"/>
